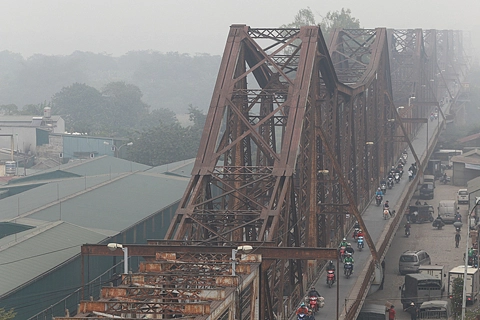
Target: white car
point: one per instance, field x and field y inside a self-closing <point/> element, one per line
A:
<point x="462" y="196"/>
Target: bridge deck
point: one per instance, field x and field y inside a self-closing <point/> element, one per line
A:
<point x="379" y="229"/>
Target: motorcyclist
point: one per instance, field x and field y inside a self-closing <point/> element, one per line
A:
<point x="379" y="192"/>
<point x="313" y="292"/>
<point x="344" y="243"/>
<point x="386" y="205"/>
<point x="407" y="227"/>
<point x="392" y="170"/>
<point x="331" y="267"/>
<point x="360" y="233"/>
<point x="349" y="259"/>
<point x="356" y="225"/>
<point x="349" y="249"/>
<point x="303" y="309"/>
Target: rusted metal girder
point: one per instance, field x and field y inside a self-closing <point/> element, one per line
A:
<point x="150" y="251"/>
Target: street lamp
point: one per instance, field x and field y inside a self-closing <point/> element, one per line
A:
<point x="117" y="150"/>
<point x="410" y="100"/>
<point x="114" y="246"/>
<point x="244" y="249"/>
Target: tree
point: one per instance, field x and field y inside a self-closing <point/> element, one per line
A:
<point x="8" y="109"/>
<point x="304" y="17"/>
<point x="82" y="108"/>
<point x="168" y="142"/>
<point x="338" y="19"/>
<point x="457" y="295"/>
<point x="7" y="315"/>
<point x="123" y="106"/>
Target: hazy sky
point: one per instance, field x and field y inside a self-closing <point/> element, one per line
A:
<point x="196" y="26"/>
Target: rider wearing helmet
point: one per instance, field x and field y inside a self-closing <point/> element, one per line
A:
<point x="313" y="292"/>
<point x="343" y="243"/>
<point x="303" y="309"/>
<point x="360" y="233"/>
<point x="379" y="192"/>
<point x="349" y="249"/>
<point x="330" y="266"/>
<point x="349" y="259"/>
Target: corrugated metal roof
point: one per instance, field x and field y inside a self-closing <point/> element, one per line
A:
<point x="470" y="157"/>
<point x="106" y="202"/>
<point x="100" y="165"/>
<point x="38" y="250"/>
<point x="181" y="168"/>
<point x="473" y="185"/>
<point x="24" y="118"/>
<point x="119" y="204"/>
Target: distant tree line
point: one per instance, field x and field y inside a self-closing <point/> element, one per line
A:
<point x="167" y="80"/>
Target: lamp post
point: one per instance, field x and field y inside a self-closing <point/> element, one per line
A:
<point x="117" y="150"/>
<point x="243" y="249"/>
<point x="464" y="296"/>
<point x="114" y="246"/>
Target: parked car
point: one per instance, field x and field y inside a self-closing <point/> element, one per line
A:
<point x="410" y="261"/>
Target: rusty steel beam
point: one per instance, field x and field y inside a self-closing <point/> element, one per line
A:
<point x="139" y="250"/>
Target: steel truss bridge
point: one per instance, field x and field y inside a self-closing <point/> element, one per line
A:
<point x="299" y="133"/>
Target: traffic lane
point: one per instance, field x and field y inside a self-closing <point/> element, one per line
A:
<point x="439" y="244"/>
<point x="373" y="218"/>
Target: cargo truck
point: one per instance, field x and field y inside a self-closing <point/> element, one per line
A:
<point x="435" y="271"/>
<point x="473" y="282"/>
<point x="420" y="287"/>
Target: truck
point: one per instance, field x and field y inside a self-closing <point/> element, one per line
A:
<point x="435" y="271"/>
<point x="420" y="287"/>
<point x="473" y="282"/>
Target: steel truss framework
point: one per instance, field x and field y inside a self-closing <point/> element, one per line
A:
<point x="297" y="135"/>
<point x="284" y="154"/>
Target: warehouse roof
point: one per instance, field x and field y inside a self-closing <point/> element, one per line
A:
<point x="90" y="201"/>
<point x="31" y="253"/>
<point x="109" y="201"/>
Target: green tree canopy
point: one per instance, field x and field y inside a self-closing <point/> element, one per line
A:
<point x="81" y="106"/>
<point x="168" y="142"/>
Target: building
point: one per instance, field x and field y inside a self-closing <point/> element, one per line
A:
<point x="465" y="167"/>
<point x="46" y="217"/>
<point x="29" y="131"/>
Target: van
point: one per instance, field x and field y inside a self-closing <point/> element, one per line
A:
<point x="429" y="178"/>
<point x="426" y="191"/>
<point x="462" y="196"/>
<point x="410" y="261"/>
<point x="447" y="209"/>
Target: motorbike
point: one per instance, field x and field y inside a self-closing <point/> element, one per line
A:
<point x="360" y="244"/>
<point x="330" y="278"/>
<point x="383" y="187"/>
<point x="378" y="200"/>
<point x="302" y="316"/>
<point x="342" y="253"/>
<point x="347" y="269"/>
<point x="405" y="156"/>
<point x="397" y="177"/>
<point x="313" y="304"/>
<point x="407" y="232"/>
<point x="386" y="214"/>
<point x="355" y="232"/>
<point x="438" y="223"/>
<point x="445" y="179"/>
<point x="390" y="183"/>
